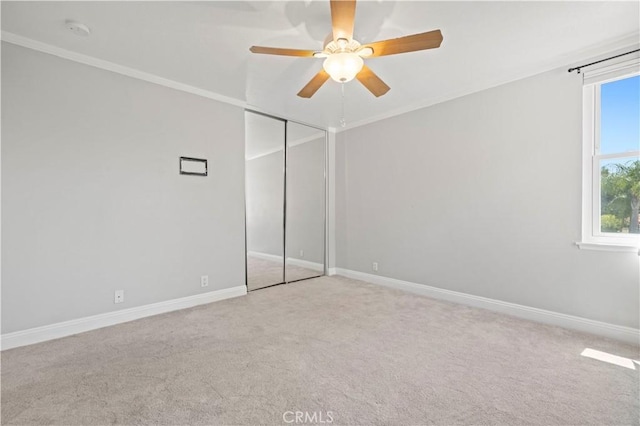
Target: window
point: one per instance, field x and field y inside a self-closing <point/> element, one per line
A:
<point x="611" y="183"/>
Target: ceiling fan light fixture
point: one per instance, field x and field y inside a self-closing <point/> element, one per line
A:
<point x="344" y="56"/>
<point x="343" y="67"/>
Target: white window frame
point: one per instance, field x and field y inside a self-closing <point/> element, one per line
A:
<point x="592" y="236"/>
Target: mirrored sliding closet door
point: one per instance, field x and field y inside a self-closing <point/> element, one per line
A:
<point x="305" y="201"/>
<point x="285" y="201"/>
<point x="264" y="199"/>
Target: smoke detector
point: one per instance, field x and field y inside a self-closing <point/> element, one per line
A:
<point x="77" y="28"/>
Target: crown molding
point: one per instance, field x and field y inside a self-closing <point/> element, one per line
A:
<point x="605" y="48"/>
<point x="581" y="55"/>
<point x="116" y="68"/>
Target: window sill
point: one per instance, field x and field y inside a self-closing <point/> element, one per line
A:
<point x="608" y="247"/>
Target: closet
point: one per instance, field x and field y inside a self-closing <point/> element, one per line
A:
<point x="285" y="198"/>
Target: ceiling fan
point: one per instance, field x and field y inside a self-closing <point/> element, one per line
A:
<point x="344" y="55"/>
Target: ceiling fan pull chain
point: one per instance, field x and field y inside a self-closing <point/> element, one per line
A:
<point x="343" y="122"/>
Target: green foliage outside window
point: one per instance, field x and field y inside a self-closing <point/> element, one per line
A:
<point x="611" y="223"/>
<point x="620" y="186"/>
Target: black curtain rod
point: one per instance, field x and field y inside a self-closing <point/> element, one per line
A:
<point x="602" y="60"/>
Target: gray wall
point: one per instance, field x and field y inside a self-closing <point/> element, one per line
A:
<point x="482" y="195"/>
<point x="91" y="196"/>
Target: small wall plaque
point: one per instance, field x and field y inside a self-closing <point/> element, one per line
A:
<point x="193" y="166"/>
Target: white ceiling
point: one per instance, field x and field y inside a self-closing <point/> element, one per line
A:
<point x="206" y="45"/>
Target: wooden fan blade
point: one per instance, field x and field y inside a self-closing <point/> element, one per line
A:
<point x="372" y="82"/>
<point x="412" y="43"/>
<point x="343" y="13"/>
<point x="282" y="52"/>
<point x="312" y="87"/>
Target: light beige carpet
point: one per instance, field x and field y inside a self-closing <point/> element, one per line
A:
<point x="366" y="354"/>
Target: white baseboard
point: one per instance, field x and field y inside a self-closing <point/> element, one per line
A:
<point x="297" y="262"/>
<point x="80" y="325"/>
<point x="618" y="332"/>
<point x="332" y="271"/>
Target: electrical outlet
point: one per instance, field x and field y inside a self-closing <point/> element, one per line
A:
<point x="301" y="253"/>
<point x="118" y="296"/>
<point x="375" y="266"/>
<point x="204" y="281"/>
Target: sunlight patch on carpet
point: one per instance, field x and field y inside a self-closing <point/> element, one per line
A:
<point x="611" y="359"/>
